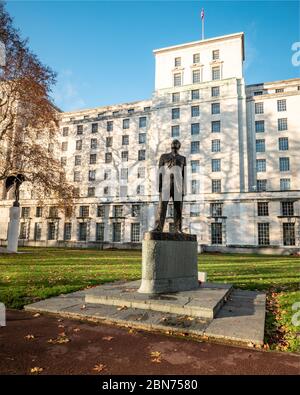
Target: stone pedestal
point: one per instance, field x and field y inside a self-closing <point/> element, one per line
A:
<point x="13" y="229"/>
<point x="169" y="263"/>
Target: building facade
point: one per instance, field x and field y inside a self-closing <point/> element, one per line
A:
<point x="241" y="144"/>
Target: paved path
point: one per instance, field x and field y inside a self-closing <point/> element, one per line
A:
<point x="122" y="351"/>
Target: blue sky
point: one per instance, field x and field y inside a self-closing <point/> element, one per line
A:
<point x="102" y="50"/>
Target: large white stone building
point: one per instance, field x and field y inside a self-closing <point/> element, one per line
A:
<point x="242" y="147"/>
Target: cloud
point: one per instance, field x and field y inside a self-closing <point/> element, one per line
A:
<point x="66" y="92"/>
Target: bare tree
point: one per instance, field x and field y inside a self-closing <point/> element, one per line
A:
<point x="28" y="119"/>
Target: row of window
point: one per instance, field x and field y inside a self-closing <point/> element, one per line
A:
<point x="287" y="208"/>
<point x="284" y="185"/>
<point x="282" y="125"/>
<point x="196" y="76"/>
<point x="283" y="144"/>
<point x="195" y="110"/>
<point x="195" y="94"/>
<point x="259" y="106"/>
<point x="215" y="54"/>
<point x="284" y="165"/>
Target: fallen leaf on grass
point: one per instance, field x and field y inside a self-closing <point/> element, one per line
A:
<point x="99" y="367"/>
<point x="155" y="356"/>
<point x="36" y="369"/>
<point x="83" y="307"/>
<point x="36" y="314"/>
<point x="76" y="330"/>
<point x="108" y="338"/>
<point x="122" y="308"/>
<point x="29" y="337"/>
<point x="59" y="340"/>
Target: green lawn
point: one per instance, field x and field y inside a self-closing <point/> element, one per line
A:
<point x="42" y="272"/>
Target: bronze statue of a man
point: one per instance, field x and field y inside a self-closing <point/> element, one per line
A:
<point x="171" y="185"/>
<point x="15" y="181"/>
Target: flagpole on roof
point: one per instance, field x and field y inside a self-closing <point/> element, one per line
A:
<point x="202" y="20"/>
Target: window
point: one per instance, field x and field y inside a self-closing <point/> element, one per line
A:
<point x="65" y="131"/>
<point x="84" y="211"/>
<point x="135" y="210"/>
<point x="280" y="90"/>
<point x="91" y="191"/>
<point x="287" y="208"/>
<point x="141" y="172"/>
<point x="77" y="176"/>
<point x="25" y="212"/>
<point x="123" y="191"/>
<point x="260" y="145"/>
<point x="262" y="208"/>
<point x="282" y="124"/>
<point x="216" y="186"/>
<point x="175" y="113"/>
<point x="195" y="94"/>
<point x="107" y="174"/>
<point x="259" y="108"/>
<point x="23" y="231"/>
<point x="284" y="164"/>
<point x="216" y="209"/>
<point x="147" y="109"/>
<point x="79" y="129"/>
<point x="109" y="141"/>
<point x="281" y="105"/>
<point x="216" y="54"/>
<point x="92" y="175"/>
<point x="126" y="123"/>
<point x="195" y="111"/>
<point x="135" y="233"/>
<point x="142" y="122"/>
<point x="93" y="143"/>
<point x="195" y="165"/>
<point x="215" y="91"/>
<point x="100" y="211"/>
<point x="258" y="93"/>
<point x="216" y="233"/>
<point x="260" y="165"/>
<point x="285" y="184"/>
<point x="64" y="146"/>
<point x="142" y="154"/>
<point x="170" y="212"/>
<point x="195" y="128"/>
<point x="140" y="190"/>
<point x="130" y="111"/>
<point x="94" y="127"/>
<point x="106" y="191"/>
<point x="263" y="233"/>
<point x="215" y="73"/>
<point x="109" y="126"/>
<point x="124" y="174"/>
<point x="93" y="159"/>
<point x="108" y="157"/>
<point x="114" y="113"/>
<point x="283" y="144"/>
<point x="142" y="138"/>
<point x="196" y="76"/>
<point x="195" y="147"/>
<point x="116" y="232"/>
<point x="175" y="130"/>
<point x="288" y="234"/>
<point x="39" y="212"/>
<point x="86" y="117"/>
<point x="77" y="160"/>
<point x="100" y="231"/>
<point x="78" y="145"/>
<point x="175" y="97"/>
<point x="215" y="145"/>
<point x="63" y="161"/>
<point x="261" y="185"/>
<point x="216" y="126"/>
<point x="67" y="231"/>
<point x="171" y="227"/>
<point x="118" y="211"/>
<point x="196" y="58"/>
<point x="215" y="108"/>
<point x="195" y="187"/>
<point x="194" y="210"/>
<point x="177" y="62"/>
<point x="124" y="156"/>
<point x="125" y="139"/>
<point x="53" y="212"/>
<point x="51" y="231"/>
<point x="37" y="231"/>
<point x="259" y="126"/>
<point x="215" y="165"/>
<point x="82" y="231"/>
<point x="177" y="79"/>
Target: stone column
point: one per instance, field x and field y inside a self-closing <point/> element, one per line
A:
<point x="13" y="229"/>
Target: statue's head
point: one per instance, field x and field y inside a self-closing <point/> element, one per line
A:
<point x="175" y="146"/>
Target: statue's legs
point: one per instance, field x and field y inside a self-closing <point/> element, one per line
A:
<point x="177" y="215"/>
<point x="161" y="214"/>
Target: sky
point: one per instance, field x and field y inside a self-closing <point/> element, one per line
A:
<point x="102" y="50"/>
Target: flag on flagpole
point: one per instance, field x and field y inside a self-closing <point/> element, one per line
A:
<point x="202" y="14"/>
<point x="202" y="20"/>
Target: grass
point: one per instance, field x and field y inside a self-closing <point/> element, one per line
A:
<point x="39" y="273"/>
